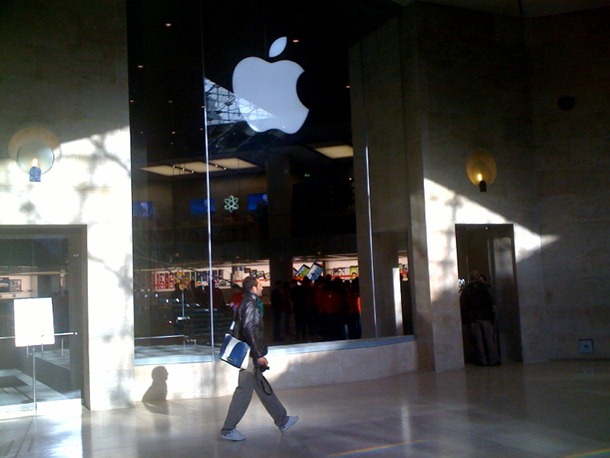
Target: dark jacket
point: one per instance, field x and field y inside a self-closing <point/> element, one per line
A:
<point x="477" y="303"/>
<point x="249" y="325"/>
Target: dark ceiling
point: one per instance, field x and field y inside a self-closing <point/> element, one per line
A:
<point x="519" y="8"/>
<point x="172" y="45"/>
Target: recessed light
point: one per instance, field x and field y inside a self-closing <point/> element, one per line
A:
<point x="336" y="152"/>
<point x="232" y="163"/>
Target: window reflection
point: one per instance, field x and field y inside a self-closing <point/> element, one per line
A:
<point x="216" y="196"/>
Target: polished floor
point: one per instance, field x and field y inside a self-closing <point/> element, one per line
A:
<point x="552" y="409"/>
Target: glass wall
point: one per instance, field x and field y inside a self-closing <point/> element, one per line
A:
<point x="243" y="165"/>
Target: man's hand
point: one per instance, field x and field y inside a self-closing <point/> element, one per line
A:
<point x="262" y="361"/>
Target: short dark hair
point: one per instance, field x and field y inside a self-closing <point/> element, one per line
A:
<point x="250" y="282"/>
<point x="474" y="276"/>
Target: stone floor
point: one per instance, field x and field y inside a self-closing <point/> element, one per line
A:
<point x="552" y="409"/>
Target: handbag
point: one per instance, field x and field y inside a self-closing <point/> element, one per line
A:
<point x="235" y="352"/>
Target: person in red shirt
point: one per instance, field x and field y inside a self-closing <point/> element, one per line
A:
<point x="354" y="310"/>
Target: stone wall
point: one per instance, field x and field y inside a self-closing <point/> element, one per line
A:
<point x="63" y="85"/>
<point x="570" y="57"/>
<point x="464" y="86"/>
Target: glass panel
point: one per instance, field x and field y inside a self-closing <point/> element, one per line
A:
<point x="243" y="165"/>
<point x="403" y="290"/>
<point x="36" y="268"/>
<point x="507" y="301"/>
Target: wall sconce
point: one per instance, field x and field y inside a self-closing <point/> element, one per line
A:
<point x="481" y="169"/>
<point x="35" y="150"/>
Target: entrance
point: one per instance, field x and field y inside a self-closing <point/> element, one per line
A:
<point x="42" y="262"/>
<point x="489" y="248"/>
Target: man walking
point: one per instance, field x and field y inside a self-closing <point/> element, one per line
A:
<point x="249" y="328"/>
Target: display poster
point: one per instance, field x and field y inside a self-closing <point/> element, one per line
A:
<point x="160" y="281"/>
<point x="303" y="271"/>
<point x="315" y="271"/>
<point x="34" y="322"/>
<point x="341" y="272"/>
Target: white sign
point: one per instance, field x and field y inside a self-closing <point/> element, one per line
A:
<point x="267" y="92"/>
<point x="34" y="322"/>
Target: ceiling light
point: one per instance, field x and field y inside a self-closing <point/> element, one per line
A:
<point x="188" y="168"/>
<point x="167" y="170"/>
<point x="336" y="152"/>
<point x="197" y="166"/>
<point x="232" y="163"/>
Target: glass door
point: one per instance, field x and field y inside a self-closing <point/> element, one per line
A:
<point x="40" y="285"/>
<point x="489" y="249"/>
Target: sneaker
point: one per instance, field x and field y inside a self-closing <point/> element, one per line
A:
<point x="289" y="424"/>
<point x="233" y="435"/>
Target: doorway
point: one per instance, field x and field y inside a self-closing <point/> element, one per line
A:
<point x="42" y="262"/>
<point x="489" y="248"/>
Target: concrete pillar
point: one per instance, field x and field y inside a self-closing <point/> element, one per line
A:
<point x="279" y="193"/>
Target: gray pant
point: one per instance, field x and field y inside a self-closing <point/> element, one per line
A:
<point x="250" y="380"/>
<point x="483" y="336"/>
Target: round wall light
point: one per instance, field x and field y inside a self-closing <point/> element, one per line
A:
<point x="35" y="150"/>
<point x="481" y="169"/>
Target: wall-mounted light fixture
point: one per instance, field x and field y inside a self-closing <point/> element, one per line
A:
<point x="35" y="150"/>
<point x="481" y="169"/>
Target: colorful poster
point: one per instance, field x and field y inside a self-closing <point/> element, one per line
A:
<point x="315" y="271"/>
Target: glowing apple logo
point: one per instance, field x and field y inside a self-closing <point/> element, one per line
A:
<point x="267" y="92"/>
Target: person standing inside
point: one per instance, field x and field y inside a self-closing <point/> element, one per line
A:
<point x="477" y="304"/>
<point x="249" y="328"/>
<point x="354" y="309"/>
<point x="298" y="297"/>
<point x="276" y="309"/>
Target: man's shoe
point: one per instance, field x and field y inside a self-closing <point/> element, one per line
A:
<point x="233" y="435"/>
<point x="497" y="363"/>
<point x="289" y="424"/>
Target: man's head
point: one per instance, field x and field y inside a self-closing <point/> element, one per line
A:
<point x="252" y="284"/>
<point x="474" y="276"/>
